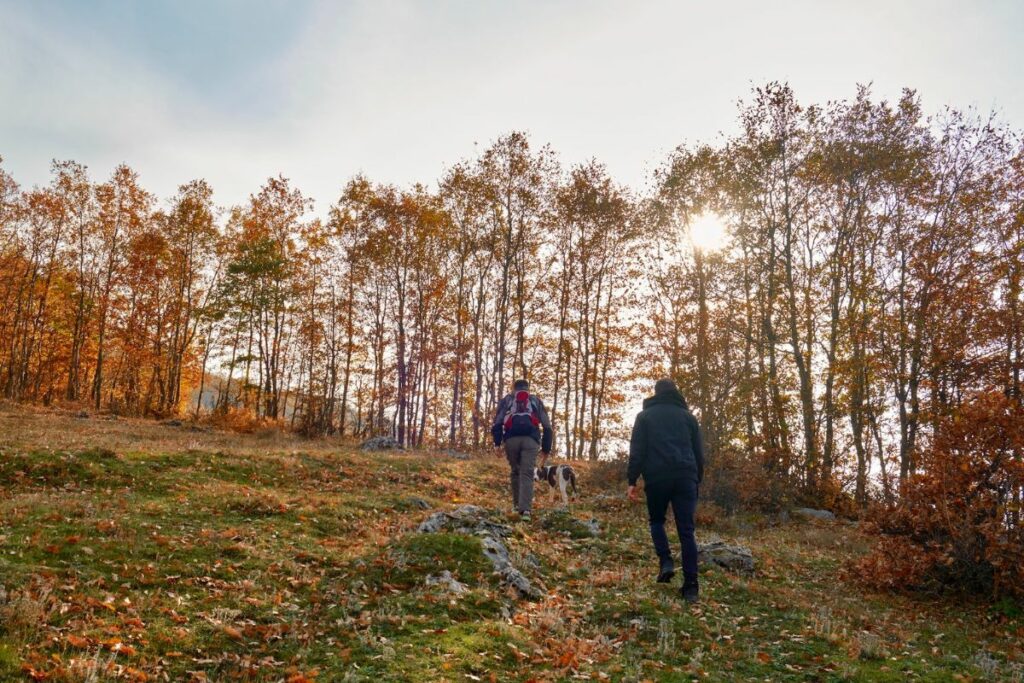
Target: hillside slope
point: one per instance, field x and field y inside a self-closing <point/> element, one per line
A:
<point x="137" y="551"/>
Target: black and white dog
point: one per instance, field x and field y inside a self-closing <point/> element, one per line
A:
<point x="561" y="476"/>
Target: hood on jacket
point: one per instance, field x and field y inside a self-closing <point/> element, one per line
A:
<point x="671" y="397"/>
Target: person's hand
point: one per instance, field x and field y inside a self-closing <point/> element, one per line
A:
<point x="631" y="493"/>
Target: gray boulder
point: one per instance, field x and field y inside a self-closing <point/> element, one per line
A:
<point x="811" y="513"/>
<point x="514" y="579"/>
<point x="732" y="558"/>
<point x="531" y="561"/>
<point x="447" y="583"/>
<point x="381" y="443"/>
<point x="495" y="551"/>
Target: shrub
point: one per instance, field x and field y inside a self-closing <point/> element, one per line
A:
<point x="958" y="521"/>
<point x="733" y="481"/>
<point x="607" y="474"/>
<point x="242" y="421"/>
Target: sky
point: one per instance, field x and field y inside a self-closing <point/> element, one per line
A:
<point x="236" y="91"/>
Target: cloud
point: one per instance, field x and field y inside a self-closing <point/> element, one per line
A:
<point x="397" y="90"/>
<point x="71" y="93"/>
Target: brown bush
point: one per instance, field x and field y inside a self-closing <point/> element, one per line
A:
<point x="708" y="514"/>
<point x="607" y="474"/>
<point x="242" y="421"/>
<point x="734" y="481"/>
<point x="958" y="522"/>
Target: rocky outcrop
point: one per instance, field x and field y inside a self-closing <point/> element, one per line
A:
<point x="811" y="513"/>
<point x="381" y="443"/>
<point x="472" y="520"/>
<point x="447" y="583"/>
<point x="734" y="558"/>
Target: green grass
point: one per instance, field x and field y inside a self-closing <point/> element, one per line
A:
<point x="168" y="553"/>
<point x="561" y="521"/>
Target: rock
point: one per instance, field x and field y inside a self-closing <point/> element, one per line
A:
<point x="456" y="455"/>
<point x="465" y="519"/>
<point x="434" y="523"/>
<point x="495" y="551"/>
<point x="82" y="414"/>
<point x="171" y="423"/>
<point x="418" y="502"/>
<point x="733" y="558"/>
<point x="472" y="520"/>
<point x="594" y="526"/>
<point x="514" y="578"/>
<point x="811" y="513"/>
<point x="447" y="582"/>
<point x="381" y="443"/>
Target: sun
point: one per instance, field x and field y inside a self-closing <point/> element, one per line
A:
<point x="708" y="233"/>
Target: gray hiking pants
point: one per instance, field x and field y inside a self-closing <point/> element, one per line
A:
<point x="521" y="452"/>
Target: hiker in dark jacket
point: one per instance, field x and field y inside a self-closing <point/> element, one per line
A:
<point x="521" y="424"/>
<point x="666" y="451"/>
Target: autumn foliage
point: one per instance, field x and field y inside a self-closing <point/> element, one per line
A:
<point x="958" y="521"/>
<point x="864" y="311"/>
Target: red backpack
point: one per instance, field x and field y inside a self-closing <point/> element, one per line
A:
<point x="520" y="420"/>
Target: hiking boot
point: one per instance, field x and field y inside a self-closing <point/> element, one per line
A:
<point x="525" y="515"/>
<point x="666" y="570"/>
<point x="690" y="590"/>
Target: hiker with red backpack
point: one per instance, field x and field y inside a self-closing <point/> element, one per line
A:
<point x="521" y="424"/>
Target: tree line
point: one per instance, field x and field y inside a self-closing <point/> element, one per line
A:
<point x="870" y="289"/>
<point x="402" y="311"/>
<point x="873" y="287"/>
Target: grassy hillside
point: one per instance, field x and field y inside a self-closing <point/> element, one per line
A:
<point x="138" y="551"/>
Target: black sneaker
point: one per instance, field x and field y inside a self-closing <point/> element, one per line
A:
<point x="690" y="590"/>
<point x="666" y="571"/>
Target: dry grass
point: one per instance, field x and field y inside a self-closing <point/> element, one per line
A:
<point x="24" y="613"/>
<point x="269" y="556"/>
<point x="28" y="427"/>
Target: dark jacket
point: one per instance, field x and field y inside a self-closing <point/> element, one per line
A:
<point x="498" y="426"/>
<point x="666" y="442"/>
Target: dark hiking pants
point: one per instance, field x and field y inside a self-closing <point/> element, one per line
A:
<point x="681" y="494"/>
<point x="521" y="452"/>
